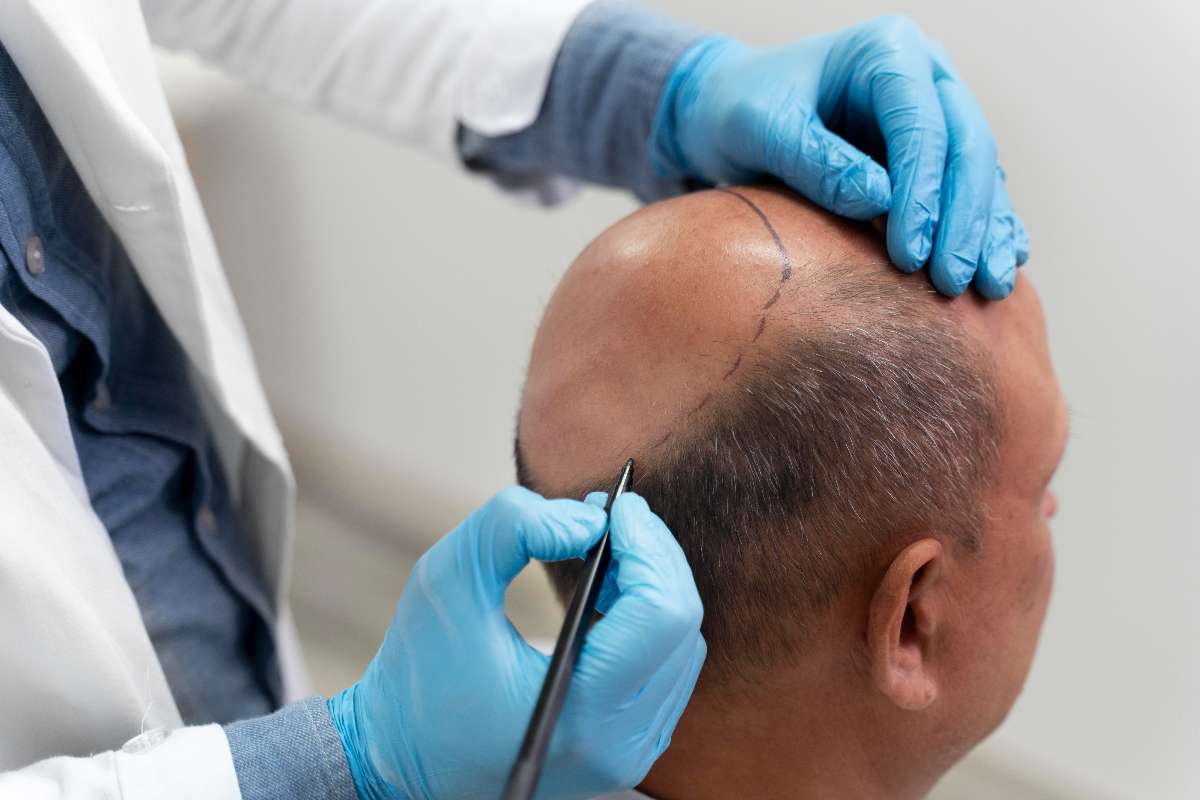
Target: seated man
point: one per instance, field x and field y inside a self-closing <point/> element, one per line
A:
<point x="856" y="468"/>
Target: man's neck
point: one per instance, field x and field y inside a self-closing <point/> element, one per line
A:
<point x="792" y="747"/>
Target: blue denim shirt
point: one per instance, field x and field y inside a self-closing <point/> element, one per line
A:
<point x="599" y="108"/>
<point x="146" y="455"/>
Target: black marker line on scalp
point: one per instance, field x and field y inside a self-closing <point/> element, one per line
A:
<point x="736" y="363"/>
<point x="783" y="253"/>
<point x="785" y="260"/>
<point x="703" y="403"/>
<point x="762" y="326"/>
<point x="785" y="263"/>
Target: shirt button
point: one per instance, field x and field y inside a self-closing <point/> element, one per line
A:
<point x="35" y="256"/>
<point x="103" y="400"/>
<point x="206" y="520"/>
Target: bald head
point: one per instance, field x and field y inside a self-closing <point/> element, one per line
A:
<point x="793" y="402"/>
<point x="670" y="307"/>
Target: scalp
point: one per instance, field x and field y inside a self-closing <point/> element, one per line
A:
<point x="780" y="384"/>
<point x="674" y="304"/>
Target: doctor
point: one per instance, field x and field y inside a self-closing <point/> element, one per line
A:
<point x="146" y="645"/>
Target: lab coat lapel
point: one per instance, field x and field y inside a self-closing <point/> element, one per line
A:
<point x="90" y="66"/>
<point x="123" y="165"/>
<point x="77" y="614"/>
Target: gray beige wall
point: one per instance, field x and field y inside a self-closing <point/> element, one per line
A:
<point x="391" y="301"/>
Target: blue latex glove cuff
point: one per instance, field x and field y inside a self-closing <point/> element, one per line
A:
<point x="367" y="782"/>
<point x="666" y="157"/>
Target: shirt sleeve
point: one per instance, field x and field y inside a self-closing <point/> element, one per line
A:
<point x="293" y="754"/>
<point x="598" y="111"/>
<point x="411" y="69"/>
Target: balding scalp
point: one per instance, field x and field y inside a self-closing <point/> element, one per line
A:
<point x="867" y="415"/>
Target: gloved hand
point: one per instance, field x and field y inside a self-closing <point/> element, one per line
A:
<point x="442" y="708"/>
<point x="824" y="113"/>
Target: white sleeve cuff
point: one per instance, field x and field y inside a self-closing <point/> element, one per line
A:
<point x="184" y="764"/>
<point x="504" y="72"/>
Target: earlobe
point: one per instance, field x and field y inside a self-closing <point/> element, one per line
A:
<point x="902" y="626"/>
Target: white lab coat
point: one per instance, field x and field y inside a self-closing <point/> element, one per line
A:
<point x="78" y="674"/>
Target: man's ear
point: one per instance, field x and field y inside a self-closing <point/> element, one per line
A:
<point x="902" y="625"/>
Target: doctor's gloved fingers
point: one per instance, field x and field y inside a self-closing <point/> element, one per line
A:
<point x="967" y="190"/>
<point x="608" y="589"/>
<point x="518" y="525"/>
<point x="644" y="700"/>
<point x="655" y="710"/>
<point x="1001" y="204"/>
<point x="672" y="708"/>
<point x="657" y="607"/>
<point x="649" y="553"/>
<point x="1020" y="241"/>
<point x="798" y="149"/>
<point x="1006" y="246"/>
<point x="1020" y="238"/>
<point x="908" y="110"/>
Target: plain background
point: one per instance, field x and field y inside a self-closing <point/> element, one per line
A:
<point x="391" y="301"/>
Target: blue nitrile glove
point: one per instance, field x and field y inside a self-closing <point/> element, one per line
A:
<point x="442" y="708"/>
<point x="823" y="113"/>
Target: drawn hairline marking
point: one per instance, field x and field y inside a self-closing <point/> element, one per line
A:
<point x="785" y="260"/>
